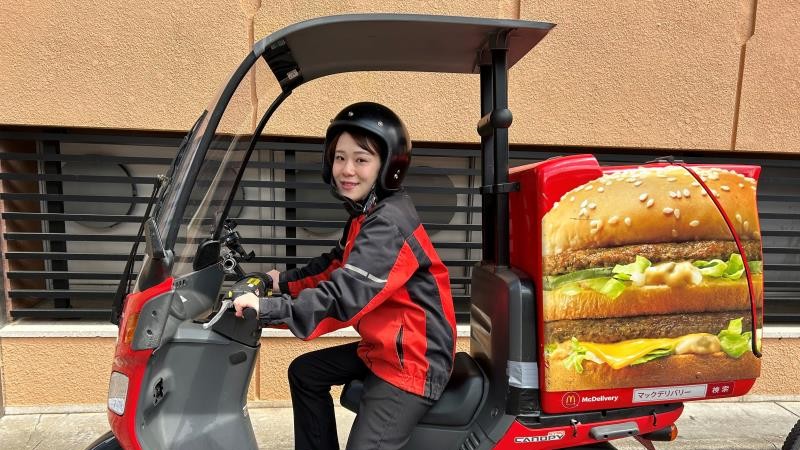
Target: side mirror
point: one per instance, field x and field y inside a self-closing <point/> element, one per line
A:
<point x="155" y="246"/>
<point x="207" y="254"/>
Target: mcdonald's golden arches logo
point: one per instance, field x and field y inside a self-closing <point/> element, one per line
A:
<point x="570" y="400"/>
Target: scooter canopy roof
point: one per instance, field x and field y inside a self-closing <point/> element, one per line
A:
<point x="392" y="42"/>
<point x="313" y="49"/>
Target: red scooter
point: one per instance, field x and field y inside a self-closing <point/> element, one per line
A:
<point x="585" y="326"/>
<point x="793" y="439"/>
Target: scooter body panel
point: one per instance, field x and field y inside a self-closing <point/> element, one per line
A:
<point x="577" y="430"/>
<point x="132" y="363"/>
<point x="439" y="438"/>
<point x="503" y="342"/>
<point x="187" y="384"/>
<point x="194" y="393"/>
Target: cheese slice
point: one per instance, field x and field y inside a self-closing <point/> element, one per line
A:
<point x="624" y="353"/>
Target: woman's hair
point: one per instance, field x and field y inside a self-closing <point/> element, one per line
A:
<point x="364" y="140"/>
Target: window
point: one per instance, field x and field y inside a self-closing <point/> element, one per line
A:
<point x="72" y="204"/>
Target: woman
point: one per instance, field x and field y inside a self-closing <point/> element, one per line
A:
<point x="384" y="279"/>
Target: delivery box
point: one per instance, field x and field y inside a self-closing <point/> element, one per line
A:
<point x="648" y="279"/>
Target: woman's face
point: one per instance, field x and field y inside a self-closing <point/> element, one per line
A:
<point x="355" y="168"/>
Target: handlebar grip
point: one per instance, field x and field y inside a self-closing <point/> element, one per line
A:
<point x="250" y="314"/>
<point x="268" y="280"/>
<point x="258" y="283"/>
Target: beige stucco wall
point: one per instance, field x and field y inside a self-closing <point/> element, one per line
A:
<point x="632" y="74"/>
<point x="771" y="85"/>
<point x="780" y="368"/>
<point x="55" y="371"/>
<point x="641" y="74"/>
<point x="41" y="374"/>
<point x="679" y="74"/>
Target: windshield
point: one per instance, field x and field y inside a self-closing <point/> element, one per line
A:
<point x="216" y="168"/>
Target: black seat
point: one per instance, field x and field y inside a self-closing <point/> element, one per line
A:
<point x="455" y="407"/>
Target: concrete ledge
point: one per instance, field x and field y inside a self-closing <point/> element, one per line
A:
<point x="56" y="409"/>
<point x="262" y="404"/>
<point x="766" y="398"/>
<point x="781" y="331"/>
<point x="751" y="398"/>
<point x="29" y="329"/>
<point x="35" y="329"/>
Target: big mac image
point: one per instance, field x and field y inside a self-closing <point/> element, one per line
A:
<point x="644" y="284"/>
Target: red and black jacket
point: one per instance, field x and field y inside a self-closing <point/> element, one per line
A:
<point x="386" y="280"/>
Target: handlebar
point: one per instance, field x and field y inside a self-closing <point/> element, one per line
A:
<point x="224" y="307"/>
<point x="231" y="240"/>
<point x="248" y="314"/>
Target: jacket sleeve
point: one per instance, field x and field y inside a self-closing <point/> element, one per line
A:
<point x="315" y="271"/>
<point x="379" y="263"/>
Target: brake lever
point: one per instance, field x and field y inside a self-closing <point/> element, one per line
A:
<point x="223" y="307"/>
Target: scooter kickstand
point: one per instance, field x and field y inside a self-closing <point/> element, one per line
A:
<point x="574" y="424"/>
<point x="647" y="443"/>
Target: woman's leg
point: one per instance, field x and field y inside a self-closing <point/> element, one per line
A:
<point x="386" y="416"/>
<point x="310" y="379"/>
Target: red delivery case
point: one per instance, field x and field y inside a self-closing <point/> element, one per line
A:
<point x="643" y="294"/>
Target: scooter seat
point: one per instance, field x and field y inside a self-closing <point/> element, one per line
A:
<point x="456" y="406"/>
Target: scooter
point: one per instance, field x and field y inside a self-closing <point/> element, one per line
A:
<point x="180" y="373"/>
<point x="793" y="438"/>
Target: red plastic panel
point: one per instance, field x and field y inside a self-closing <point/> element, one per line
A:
<point x="132" y="363"/>
<point x="520" y="437"/>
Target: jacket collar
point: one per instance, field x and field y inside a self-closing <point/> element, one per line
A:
<point x="355" y="208"/>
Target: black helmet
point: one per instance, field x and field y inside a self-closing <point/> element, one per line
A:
<point x="383" y="124"/>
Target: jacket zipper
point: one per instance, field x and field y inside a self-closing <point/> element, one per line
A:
<point x="399" y="345"/>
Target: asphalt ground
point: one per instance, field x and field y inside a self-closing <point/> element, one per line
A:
<point x="703" y="426"/>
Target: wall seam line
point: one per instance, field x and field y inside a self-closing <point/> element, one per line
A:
<point x="740" y="76"/>
<point x="4" y="266"/>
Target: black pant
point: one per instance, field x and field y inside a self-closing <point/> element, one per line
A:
<point x="387" y="415"/>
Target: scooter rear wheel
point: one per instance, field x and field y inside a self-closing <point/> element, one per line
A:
<point x="793" y="439"/>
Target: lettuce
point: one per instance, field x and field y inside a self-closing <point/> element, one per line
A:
<point x="612" y="282"/>
<point x="655" y="354"/>
<point x="555" y="282"/>
<point x="733" y="269"/>
<point x="576" y="356"/>
<point x="734" y="343"/>
<point x="625" y="272"/>
<point x="609" y="287"/>
<point x="714" y="268"/>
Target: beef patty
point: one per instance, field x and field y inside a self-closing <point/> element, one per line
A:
<point x="606" y="331"/>
<point x="573" y="260"/>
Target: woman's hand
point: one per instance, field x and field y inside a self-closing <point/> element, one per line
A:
<point x="275" y="275"/>
<point x="248" y="300"/>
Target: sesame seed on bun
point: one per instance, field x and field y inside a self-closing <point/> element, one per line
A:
<point x="652" y="205"/>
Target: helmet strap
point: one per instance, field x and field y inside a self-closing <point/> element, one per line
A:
<point x="356" y="208"/>
<point x="369" y="202"/>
